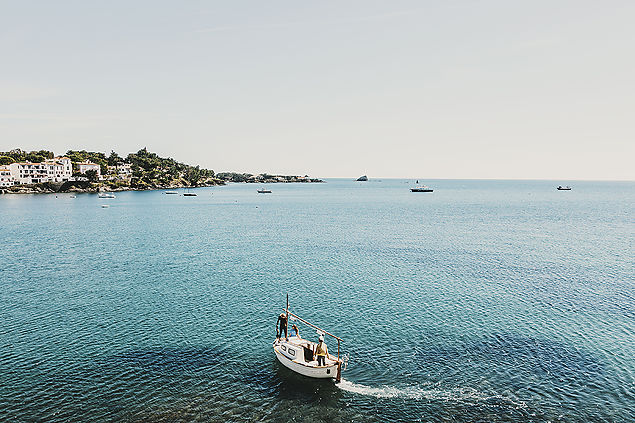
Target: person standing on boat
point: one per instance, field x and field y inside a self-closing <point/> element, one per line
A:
<point x="321" y="351"/>
<point x="281" y="325"/>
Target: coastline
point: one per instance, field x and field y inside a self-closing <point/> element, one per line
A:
<point x="83" y="187"/>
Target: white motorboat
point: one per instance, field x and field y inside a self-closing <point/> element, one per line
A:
<point x="422" y="188"/>
<point x="297" y="354"/>
<point x="171" y="192"/>
<point x="106" y="195"/>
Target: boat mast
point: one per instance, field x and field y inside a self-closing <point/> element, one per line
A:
<point x="339" y="363"/>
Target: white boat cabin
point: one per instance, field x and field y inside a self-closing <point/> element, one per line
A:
<point x="297" y="354"/>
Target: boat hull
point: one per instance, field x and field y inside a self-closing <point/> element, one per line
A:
<point x="421" y="190"/>
<point x="317" y="372"/>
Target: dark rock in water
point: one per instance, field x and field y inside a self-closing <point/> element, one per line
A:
<point x="363" y="178"/>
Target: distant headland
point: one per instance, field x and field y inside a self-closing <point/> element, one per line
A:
<point x="42" y="171"/>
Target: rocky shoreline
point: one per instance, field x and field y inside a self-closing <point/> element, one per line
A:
<point x="93" y="187"/>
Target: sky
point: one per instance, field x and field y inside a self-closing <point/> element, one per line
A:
<point x="403" y="89"/>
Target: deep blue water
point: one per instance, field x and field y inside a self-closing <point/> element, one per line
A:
<point x="485" y="301"/>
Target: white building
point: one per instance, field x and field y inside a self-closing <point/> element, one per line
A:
<point x="86" y="166"/>
<point x="6" y="180"/>
<point x="58" y="169"/>
<point x="121" y="171"/>
<point x="124" y="169"/>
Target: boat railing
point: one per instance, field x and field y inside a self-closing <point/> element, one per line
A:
<point x="317" y="328"/>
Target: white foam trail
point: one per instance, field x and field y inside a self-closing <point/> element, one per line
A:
<point x="417" y="393"/>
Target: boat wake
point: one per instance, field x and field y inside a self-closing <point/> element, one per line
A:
<point x="416" y="393"/>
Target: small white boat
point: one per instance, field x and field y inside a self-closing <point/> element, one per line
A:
<point x="422" y="188"/>
<point x="106" y="195"/>
<point x="561" y="188"/>
<point x="105" y="206"/>
<point x="297" y="354"/>
<point x="264" y="191"/>
<point x="171" y="192"/>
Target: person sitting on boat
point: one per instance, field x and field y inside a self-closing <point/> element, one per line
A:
<point x="295" y="331"/>
<point x="281" y="326"/>
<point x="321" y="351"/>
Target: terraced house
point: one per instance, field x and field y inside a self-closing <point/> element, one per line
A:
<point x="6" y="180"/>
<point x="59" y="169"/>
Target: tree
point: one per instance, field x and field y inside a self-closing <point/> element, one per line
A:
<point x="35" y="158"/>
<point x="193" y="175"/>
<point x="44" y="153"/>
<point x="114" y="159"/>
<point x="5" y="160"/>
<point x="91" y="175"/>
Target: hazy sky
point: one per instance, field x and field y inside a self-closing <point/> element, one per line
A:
<point x="426" y="89"/>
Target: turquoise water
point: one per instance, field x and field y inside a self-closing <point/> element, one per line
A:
<point x="492" y="301"/>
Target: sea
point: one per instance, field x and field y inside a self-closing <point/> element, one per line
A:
<point x="483" y="301"/>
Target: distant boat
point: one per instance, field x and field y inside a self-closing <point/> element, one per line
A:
<point x="363" y="178"/>
<point x="561" y="188"/>
<point x="105" y="206"/>
<point x="171" y="192"/>
<point x="106" y="195"/>
<point x="421" y="188"/>
<point x="189" y="194"/>
<point x="73" y="196"/>
<point x="264" y="191"/>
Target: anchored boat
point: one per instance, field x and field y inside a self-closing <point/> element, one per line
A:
<point x="298" y="354"/>
<point x="421" y="188"/>
<point x="264" y="191"/>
